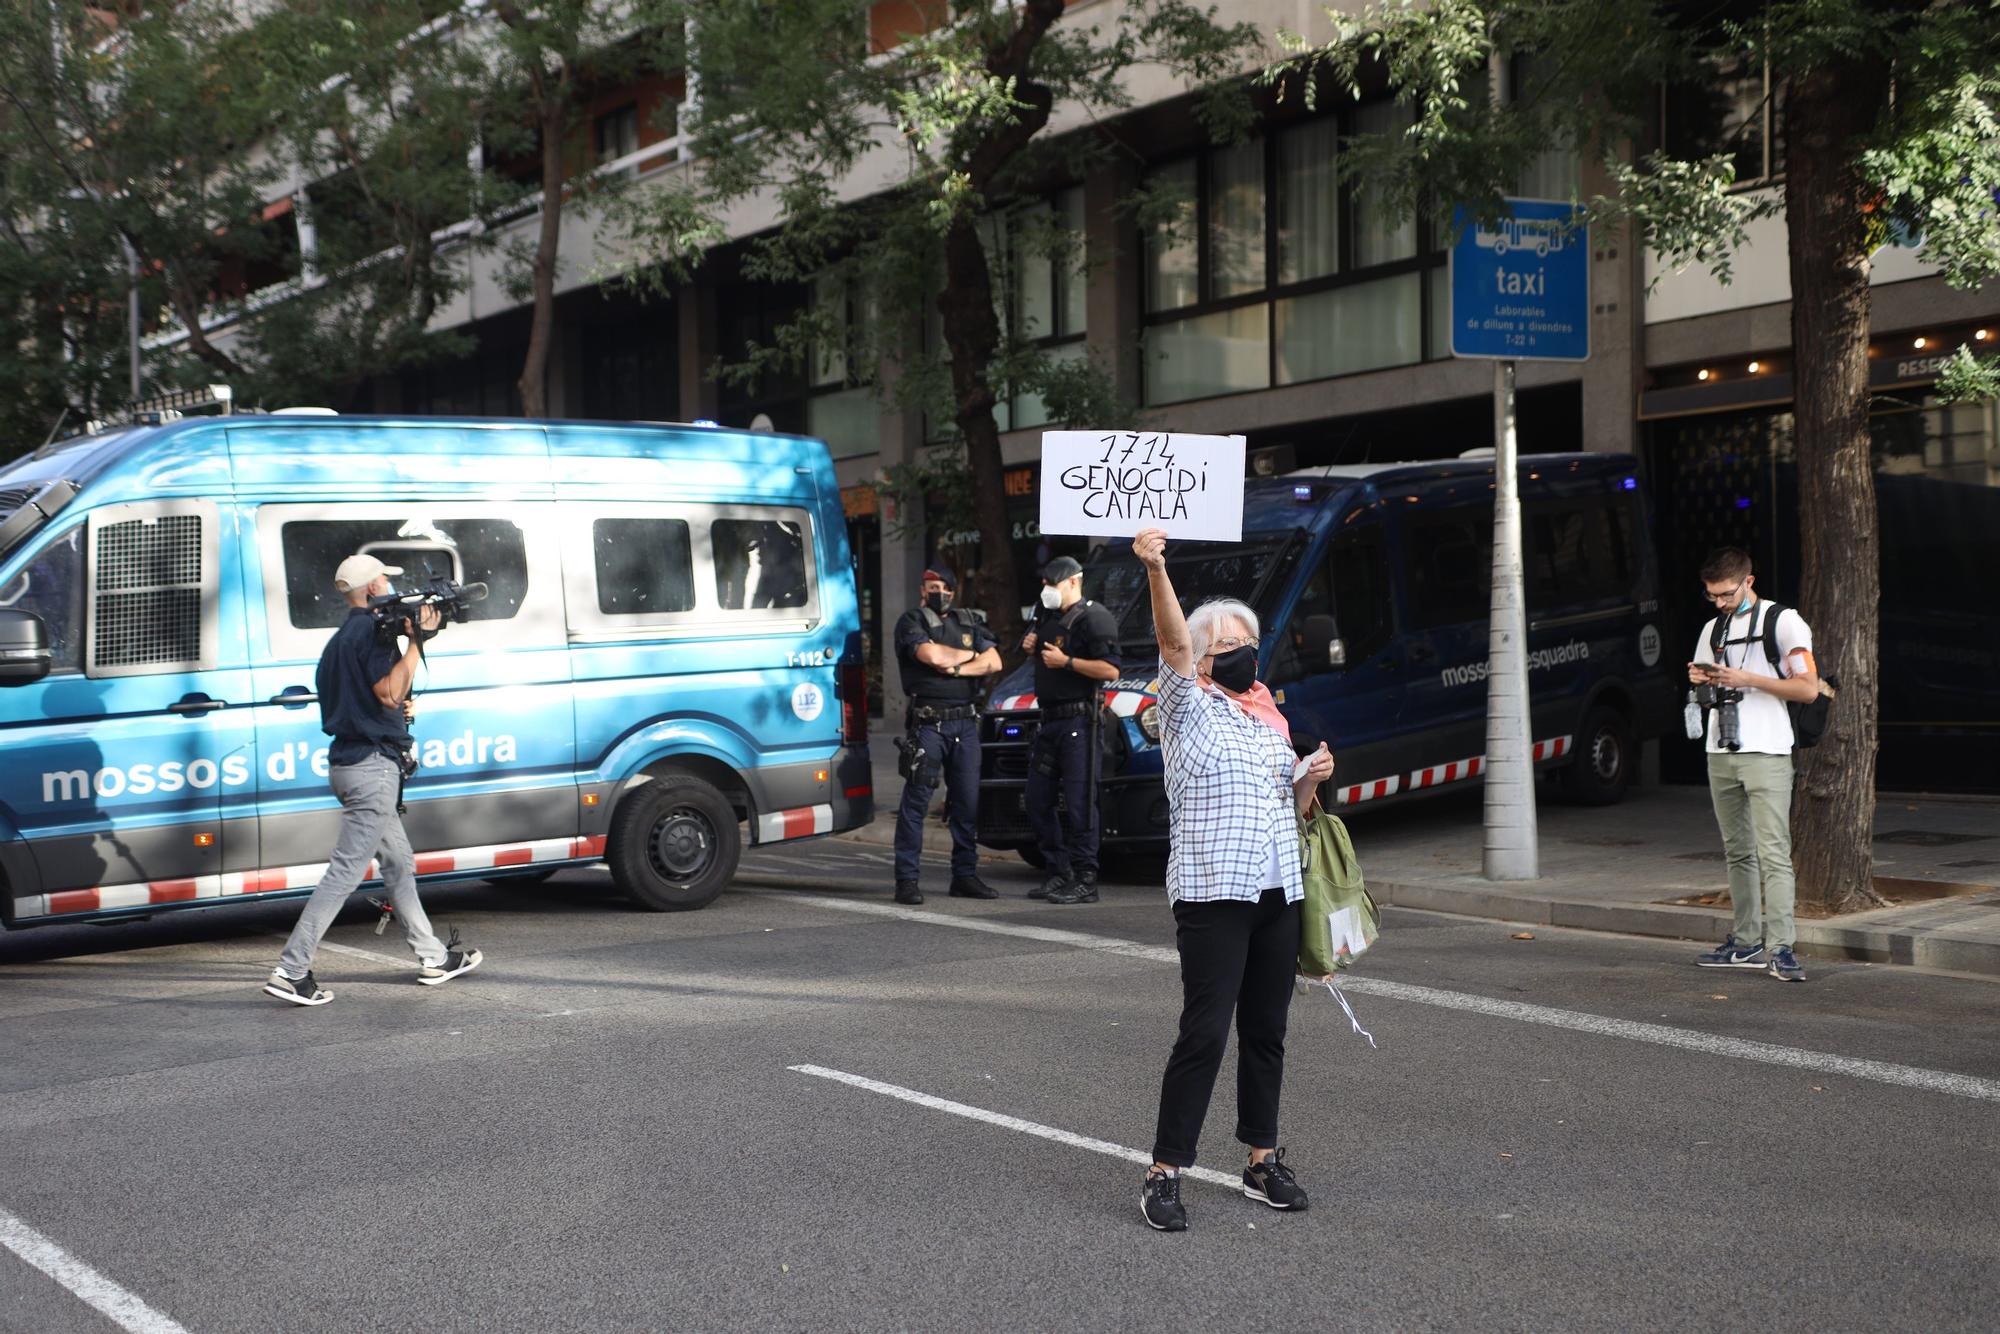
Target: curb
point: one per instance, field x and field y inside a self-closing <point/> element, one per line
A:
<point x="1826" y="940"/>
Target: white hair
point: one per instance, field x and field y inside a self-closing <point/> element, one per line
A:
<point x="1204" y="620"/>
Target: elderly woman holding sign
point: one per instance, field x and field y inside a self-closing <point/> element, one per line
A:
<point x="1236" y="794"/>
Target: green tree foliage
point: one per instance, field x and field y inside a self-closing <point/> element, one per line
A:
<point x="795" y="104"/>
<point x="1888" y="115"/>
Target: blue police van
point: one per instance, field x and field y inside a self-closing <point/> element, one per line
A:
<point x="1373" y="584"/>
<point x="667" y="666"/>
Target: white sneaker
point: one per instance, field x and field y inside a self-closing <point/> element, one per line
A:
<point x="305" y="991"/>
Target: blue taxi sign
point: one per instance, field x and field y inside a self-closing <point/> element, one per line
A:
<point x="1520" y="288"/>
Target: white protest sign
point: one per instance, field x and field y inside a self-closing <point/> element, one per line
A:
<point x="1113" y="483"/>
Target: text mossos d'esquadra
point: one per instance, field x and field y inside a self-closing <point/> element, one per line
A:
<point x="300" y="759"/>
<point x="1540" y="660"/>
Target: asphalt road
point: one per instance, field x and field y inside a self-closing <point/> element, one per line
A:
<point x="605" y="1127"/>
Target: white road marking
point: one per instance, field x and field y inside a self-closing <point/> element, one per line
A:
<point x="1001" y="1119"/>
<point x="1708" y="1044"/>
<point x="350" y="950"/>
<point x="791" y="861"/>
<point x="122" y="1308"/>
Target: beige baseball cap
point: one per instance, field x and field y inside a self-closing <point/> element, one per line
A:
<point x="359" y="571"/>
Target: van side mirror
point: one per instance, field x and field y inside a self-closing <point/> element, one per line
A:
<point x="24" y="648"/>
<point x="1317" y="630"/>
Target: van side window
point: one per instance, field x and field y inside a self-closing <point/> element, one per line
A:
<point x="759" y="563"/>
<point x="1451" y="566"/>
<point x="643" y="565"/>
<point x="1361" y="604"/>
<point x="51" y="586"/>
<point x="146" y="593"/>
<point x="1578" y="552"/>
<point x="488" y="551"/>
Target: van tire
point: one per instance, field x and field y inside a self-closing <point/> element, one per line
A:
<point x="1607" y="755"/>
<point x="674" y="844"/>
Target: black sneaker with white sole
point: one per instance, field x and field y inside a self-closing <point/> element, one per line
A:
<point x="1272" y="1183"/>
<point x="302" y="991"/>
<point x="1160" y="1202"/>
<point x="456" y="961"/>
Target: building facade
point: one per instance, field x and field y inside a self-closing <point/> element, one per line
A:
<point x="1294" y="309"/>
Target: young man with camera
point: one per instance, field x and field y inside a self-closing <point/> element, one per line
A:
<point x="1743" y="694"/>
<point x="364" y="699"/>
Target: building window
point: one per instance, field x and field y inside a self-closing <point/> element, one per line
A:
<point x="618" y="133"/>
<point x="1735" y="110"/>
<point x="1270" y="272"/>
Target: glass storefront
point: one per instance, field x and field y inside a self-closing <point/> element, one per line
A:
<point x="1731" y="479"/>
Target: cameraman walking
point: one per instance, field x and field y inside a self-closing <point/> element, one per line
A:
<point x="1750" y="782"/>
<point x="364" y="693"/>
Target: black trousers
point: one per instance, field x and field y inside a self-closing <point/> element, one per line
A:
<point x="1236" y="957"/>
<point x="1061" y="763"/>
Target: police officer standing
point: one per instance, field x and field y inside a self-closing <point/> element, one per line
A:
<point x="943" y="653"/>
<point x="1074" y="640"/>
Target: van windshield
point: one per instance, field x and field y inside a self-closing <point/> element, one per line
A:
<point x="1200" y="571"/>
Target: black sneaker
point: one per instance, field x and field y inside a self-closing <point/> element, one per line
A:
<point x="304" y="991"/>
<point x="907" y="892"/>
<point x="972" y="887"/>
<point x="1076" y="891"/>
<point x="1272" y="1183"/>
<point x="1056" y="881"/>
<point x="456" y="961"/>
<point x="1730" y="954"/>
<point x="1160" y="1202"/>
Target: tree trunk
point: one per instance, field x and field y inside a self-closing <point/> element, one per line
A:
<point x="1827" y="112"/>
<point x="972" y="337"/>
<point x="535" y="367"/>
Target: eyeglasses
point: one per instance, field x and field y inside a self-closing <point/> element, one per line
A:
<point x="1230" y="645"/>
<point x="1731" y="597"/>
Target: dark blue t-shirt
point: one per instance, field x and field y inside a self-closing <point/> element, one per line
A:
<point x="353" y="662"/>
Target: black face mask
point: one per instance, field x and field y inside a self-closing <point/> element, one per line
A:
<point x="1235" y="671"/>
<point x="937" y="602"/>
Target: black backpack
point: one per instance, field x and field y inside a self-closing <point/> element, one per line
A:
<point x="1808" y="720"/>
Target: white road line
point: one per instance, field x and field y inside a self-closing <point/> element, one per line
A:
<point x="86" y="1284"/>
<point x="351" y="951"/>
<point x="1708" y="1044"/>
<point x="1011" y="1123"/>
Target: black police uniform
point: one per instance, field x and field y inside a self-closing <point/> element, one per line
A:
<point x="1061" y="761"/>
<point x="944" y="725"/>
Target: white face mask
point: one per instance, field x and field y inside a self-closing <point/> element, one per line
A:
<point x="1051" y="596"/>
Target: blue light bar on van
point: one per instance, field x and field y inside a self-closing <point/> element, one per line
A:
<point x="702" y="421"/>
<point x="1302" y="493"/>
<point x="1630" y="484"/>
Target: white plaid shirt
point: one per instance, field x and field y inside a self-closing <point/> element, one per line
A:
<point x="1229" y="787"/>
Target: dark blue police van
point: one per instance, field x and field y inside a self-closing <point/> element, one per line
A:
<point x="1372" y="583"/>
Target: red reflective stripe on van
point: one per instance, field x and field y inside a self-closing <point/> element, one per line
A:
<point x="430" y="863"/>
<point x="263" y="882"/>
<point x="586" y="847"/>
<point x="513" y="856"/>
<point x="73" y="900"/>
<point x="799" y="823"/>
<point x="171" y="891"/>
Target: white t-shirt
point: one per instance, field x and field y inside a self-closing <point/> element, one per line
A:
<point x="1761" y="719"/>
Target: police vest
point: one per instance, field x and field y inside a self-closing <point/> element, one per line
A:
<point x="955" y="629"/>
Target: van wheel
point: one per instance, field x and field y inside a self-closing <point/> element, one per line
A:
<point x="1606" y="755"/>
<point x="673" y="844"/>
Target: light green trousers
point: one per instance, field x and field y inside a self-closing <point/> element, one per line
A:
<point x="1753" y="804"/>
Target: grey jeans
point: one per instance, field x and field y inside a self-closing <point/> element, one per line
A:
<point x="370" y="830"/>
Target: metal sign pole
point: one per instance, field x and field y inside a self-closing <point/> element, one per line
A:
<point x="1512" y="849"/>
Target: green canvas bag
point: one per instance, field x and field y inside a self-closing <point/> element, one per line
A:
<point x="1338" y="920"/>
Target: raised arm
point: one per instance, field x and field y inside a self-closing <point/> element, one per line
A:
<point x="1169" y="626"/>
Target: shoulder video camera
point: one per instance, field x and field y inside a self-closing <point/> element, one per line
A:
<point x="451" y="600"/>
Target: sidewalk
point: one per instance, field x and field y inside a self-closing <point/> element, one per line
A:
<point x="1653" y="866"/>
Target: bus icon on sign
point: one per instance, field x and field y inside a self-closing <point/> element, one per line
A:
<point x="1543" y="236"/>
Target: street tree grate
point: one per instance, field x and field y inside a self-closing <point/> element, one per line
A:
<point x="1929" y="838"/>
